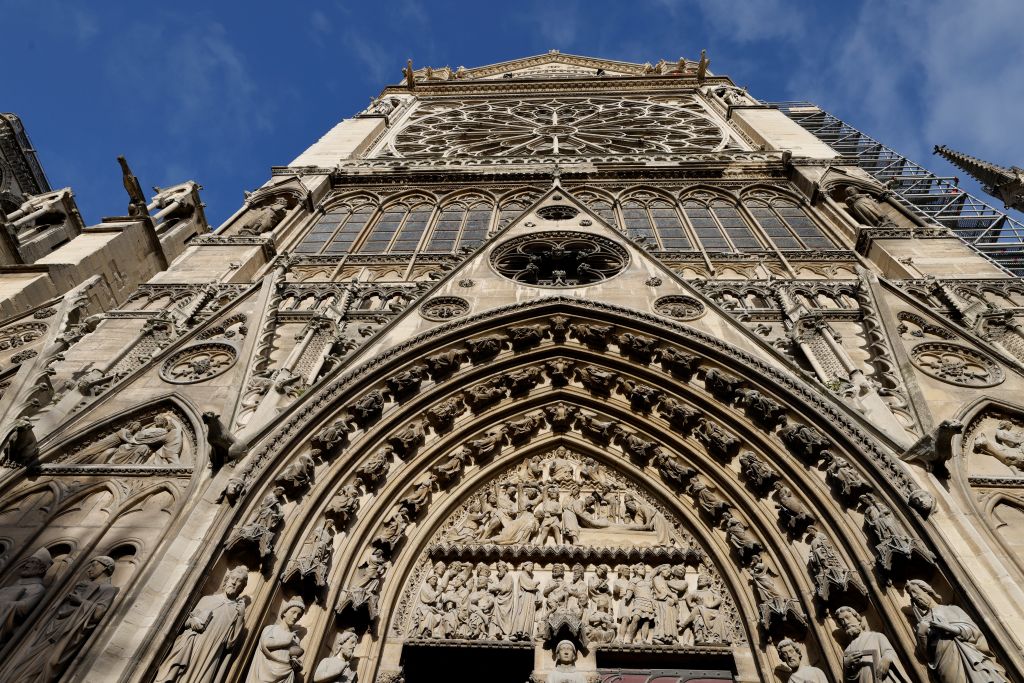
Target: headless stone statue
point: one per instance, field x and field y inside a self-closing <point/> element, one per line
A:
<point x="67" y="627"/>
<point x="19" y="599"/>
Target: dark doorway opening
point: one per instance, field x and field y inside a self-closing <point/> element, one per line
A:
<point x="455" y="662"/>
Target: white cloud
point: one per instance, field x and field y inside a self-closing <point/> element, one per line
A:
<point x="921" y="74"/>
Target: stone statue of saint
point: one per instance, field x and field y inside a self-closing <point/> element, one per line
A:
<point x="704" y="604"/>
<point x="19" y="599"/>
<point x="201" y="653"/>
<point x="790" y="655"/>
<point x="865" y="209"/>
<point x="338" y="667"/>
<point x="526" y="604"/>
<point x="950" y="640"/>
<point x="68" y="626"/>
<point x="869" y="657"/>
<point x="277" y="658"/>
<point x="265" y="218"/>
<point x="565" y="665"/>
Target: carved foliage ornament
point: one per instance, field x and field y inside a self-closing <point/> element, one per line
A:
<point x="559" y="259"/>
<point x="956" y="364"/>
<point x="442" y="308"/>
<point x="198" y="363"/>
<point x="679" y="307"/>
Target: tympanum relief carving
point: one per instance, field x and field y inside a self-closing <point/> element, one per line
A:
<point x="560" y="546"/>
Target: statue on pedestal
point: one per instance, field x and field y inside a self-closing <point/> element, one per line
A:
<point x="277" y="659"/>
<point x="201" y="653"/>
<point x="950" y="640"/>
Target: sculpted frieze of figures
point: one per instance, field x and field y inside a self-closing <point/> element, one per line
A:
<point x="561" y="501"/>
<point x="593" y="605"/>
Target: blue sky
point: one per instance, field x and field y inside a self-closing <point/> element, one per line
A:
<point x="221" y="91"/>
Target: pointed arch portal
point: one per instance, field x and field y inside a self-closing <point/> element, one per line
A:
<point x="722" y="497"/>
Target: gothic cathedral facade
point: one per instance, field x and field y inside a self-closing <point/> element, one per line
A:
<point x="562" y="369"/>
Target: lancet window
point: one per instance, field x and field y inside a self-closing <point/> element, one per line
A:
<point x="338" y="229"/>
<point x="510" y="208"/>
<point x="786" y="223"/>
<point x="600" y="205"/>
<point x="399" y="229"/>
<point x="718" y="225"/>
<point x="655" y="221"/>
<point x="461" y="224"/>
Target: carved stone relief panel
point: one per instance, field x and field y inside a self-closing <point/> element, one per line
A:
<point x="993" y="447"/>
<point x="159" y="437"/>
<point x="560" y="546"/>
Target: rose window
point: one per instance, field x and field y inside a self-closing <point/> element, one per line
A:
<point x="558" y="126"/>
<point x="559" y="259"/>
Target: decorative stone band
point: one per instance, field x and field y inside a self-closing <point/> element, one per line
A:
<point x="483" y="552"/>
<point x="116" y="470"/>
<point x="867" y="235"/>
<point x="998" y="482"/>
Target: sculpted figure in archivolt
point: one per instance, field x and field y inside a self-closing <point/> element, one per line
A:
<point x="202" y="652"/>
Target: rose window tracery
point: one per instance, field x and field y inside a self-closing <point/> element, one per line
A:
<point x="558" y="126"/>
<point x="198" y="363"/>
<point x="559" y="259"/>
<point x="957" y="365"/>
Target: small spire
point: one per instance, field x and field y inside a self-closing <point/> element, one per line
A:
<point x="1007" y="184"/>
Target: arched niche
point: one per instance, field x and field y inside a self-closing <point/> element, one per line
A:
<point x="381" y="421"/>
<point x="988" y="471"/>
<point x="119" y="487"/>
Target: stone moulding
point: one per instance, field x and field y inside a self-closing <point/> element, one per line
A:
<point x="565" y="553"/>
<point x="116" y="471"/>
<point x="466" y="643"/>
<point x="997" y="482"/>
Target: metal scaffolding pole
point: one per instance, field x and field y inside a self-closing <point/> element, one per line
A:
<point x="988" y="230"/>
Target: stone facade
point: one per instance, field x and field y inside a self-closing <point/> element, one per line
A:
<point x="558" y="369"/>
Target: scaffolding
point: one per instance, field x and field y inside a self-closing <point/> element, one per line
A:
<point x="988" y="230"/>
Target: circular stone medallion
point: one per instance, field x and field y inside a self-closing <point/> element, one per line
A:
<point x="444" y="308"/>
<point x="198" y="363"/>
<point x="956" y="364"/>
<point x="679" y="306"/>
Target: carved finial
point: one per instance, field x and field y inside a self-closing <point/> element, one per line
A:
<point x="136" y="199"/>
<point x="410" y="78"/>
<point x="702" y="66"/>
